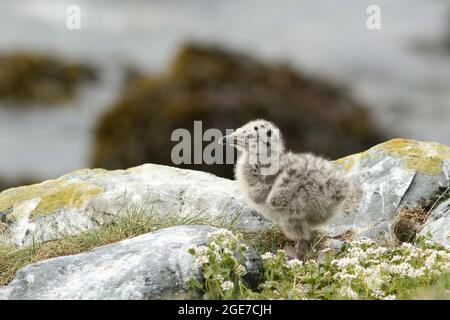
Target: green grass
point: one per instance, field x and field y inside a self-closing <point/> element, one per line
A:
<point x="270" y="239"/>
<point x="280" y="281"/>
<point x="437" y="290"/>
<point x="131" y="223"/>
<point x="134" y="221"/>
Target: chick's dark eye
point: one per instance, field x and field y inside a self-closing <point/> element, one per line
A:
<point x="269" y="132"/>
<point x="256" y="128"/>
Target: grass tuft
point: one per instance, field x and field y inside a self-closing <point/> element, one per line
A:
<point x="133" y="222"/>
<point x="407" y="271"/>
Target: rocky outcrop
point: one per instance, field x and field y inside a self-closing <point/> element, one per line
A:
<point x="392" y="176"/>
<point x="438" y="224"/>
<point x="87" y="198"/>
<point x="152" y="266"/>
<point x="396" y="179"/>
<point x="225" y="90"/>
<point x="389" y="177"/>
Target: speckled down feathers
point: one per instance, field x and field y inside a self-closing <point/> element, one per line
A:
<point x="304" y="193"/>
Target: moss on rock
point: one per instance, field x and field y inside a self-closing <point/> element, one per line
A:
<point x="37" y="78"/>
<point x="225" y="90"/>
<point x="423" y="157"/>
<point x="50" y="196"/>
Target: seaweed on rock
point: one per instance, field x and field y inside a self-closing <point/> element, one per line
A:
<point x="225" y="90"/>
<point x="33" y="78"/>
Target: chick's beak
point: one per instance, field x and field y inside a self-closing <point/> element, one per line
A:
<point x="229" y="139"/>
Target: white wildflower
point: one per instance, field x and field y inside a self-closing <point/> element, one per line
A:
<point x="377" y="251"/>
<point x="374" y="281"/>
<point x="430" y="261"/>
<point x="240" y="270"/>
<point x="220" y="232"/>
<point x="294" y="263"/>
<point x="218" y="277"/>
<point x="345" y="262"/>
<point x="218" y="257"/>
<point x="214" y="245"/>
<point x="345" y="276"/>
<point x="407" y="245"/>
<point x="227" y="285"/>
<point x="267" y="256"/>
<point x="378" y="294"/>
<point x="348" y="292"/>
<point x="201" y="260"/>
<point x="201" y="250"/>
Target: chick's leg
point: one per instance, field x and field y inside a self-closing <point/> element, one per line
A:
<point x="301" y="248"/>
<point x="299" y="231"/>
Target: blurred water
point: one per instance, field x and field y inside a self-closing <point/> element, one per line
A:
<point x="408" y="89"/>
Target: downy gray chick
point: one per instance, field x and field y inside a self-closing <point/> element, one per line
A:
<point x="296" y="191"/>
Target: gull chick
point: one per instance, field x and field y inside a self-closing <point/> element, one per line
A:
<point x="296" y="191"/>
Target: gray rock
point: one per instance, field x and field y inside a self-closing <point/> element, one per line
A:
<point x="438" y="224"/>
<point x="388" y="177"/>
<point x="333" y="245"/>
<point x="85" y="199"/>
<point x="152" y="266"/>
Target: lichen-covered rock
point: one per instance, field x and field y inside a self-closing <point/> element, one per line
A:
<point x="438" y="224"/>
<point x="393" y="175"/>
<point x="226" y="90"/>
<point x="29" y="78"/>
<point x="87" y="198"/>
<point x="152" y="266"/>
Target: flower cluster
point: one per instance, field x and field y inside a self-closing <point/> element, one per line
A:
<point x="362" y="270"/>
<point x="220" y="263"/>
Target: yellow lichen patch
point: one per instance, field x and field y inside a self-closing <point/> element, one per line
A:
<point x="53" y="195"/>
<point x="348" y="162"/>
<point x="423" y="157"/>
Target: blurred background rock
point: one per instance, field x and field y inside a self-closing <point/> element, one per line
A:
<point x="225" y="90"/>
<point x="27" y="78"/>
<point x="313" y="67"/>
